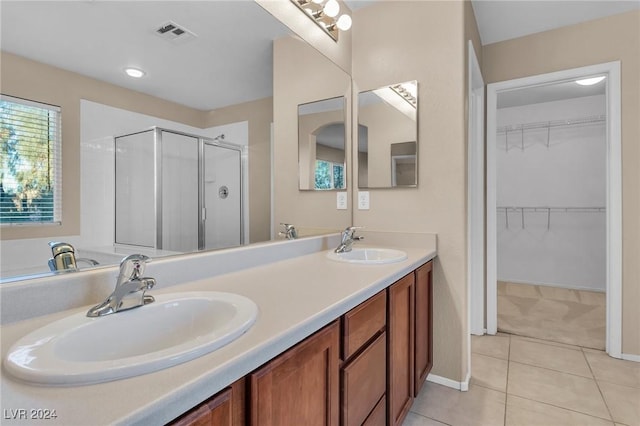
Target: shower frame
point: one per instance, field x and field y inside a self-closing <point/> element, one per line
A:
<point x="158" y="184"/>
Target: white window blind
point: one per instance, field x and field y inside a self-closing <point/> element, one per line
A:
<point x="30" y="161"/>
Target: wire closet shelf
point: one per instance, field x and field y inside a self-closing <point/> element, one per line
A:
<point x="548" y="125"/>
<point x="545" y="209"/>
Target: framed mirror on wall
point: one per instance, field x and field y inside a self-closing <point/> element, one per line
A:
<point x="321" y="145"/>
<point x="388" y="136"/>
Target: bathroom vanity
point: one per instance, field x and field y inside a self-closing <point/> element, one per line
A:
<point x="332" y="339"/>
<point x="364" y="368"/>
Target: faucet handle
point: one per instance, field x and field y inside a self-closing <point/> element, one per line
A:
<point x="290" y="231"/>
<point x="351" y="230"/>
<point x="132" y="267"/>
<point x="58" y="247"/>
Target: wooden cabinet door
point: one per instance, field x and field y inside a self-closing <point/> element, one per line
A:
<point x="299" y="387"/>
<point x="424" y="325"/>
<point x="400" y="335"/>
<point x="226" y="408"/>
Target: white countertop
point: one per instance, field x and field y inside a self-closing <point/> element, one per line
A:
<point x="295" y="297"/>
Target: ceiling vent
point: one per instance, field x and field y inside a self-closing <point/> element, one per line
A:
<point x="170" y="31"/>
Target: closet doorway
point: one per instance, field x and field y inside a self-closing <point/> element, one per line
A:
<point x="554" y="208"/>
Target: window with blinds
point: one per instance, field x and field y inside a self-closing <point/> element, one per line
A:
<point x="30" y="162"/>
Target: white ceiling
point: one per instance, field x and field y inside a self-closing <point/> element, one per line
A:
<point x="548" y="93"/>
<point x="504" y="20"/>
<point x="230" y="60"/>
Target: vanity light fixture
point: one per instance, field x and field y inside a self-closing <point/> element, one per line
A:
<point x="408" y="91"/>
<point x="326" y="14"/>
<point x="134" y="72"/>
<point x="590" y="81"/>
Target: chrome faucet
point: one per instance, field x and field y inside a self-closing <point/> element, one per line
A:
<point x="347" y="239"/>
<point x="130" y="288"/>
<point x="64" y="257"/>
<point x="290" y="232"/>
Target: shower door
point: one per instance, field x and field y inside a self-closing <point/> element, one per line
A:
<point x="179" y="192"/>
<point x="135" y="185"/>
<point x="156" y="190"/>
<point x="222" y="192"/>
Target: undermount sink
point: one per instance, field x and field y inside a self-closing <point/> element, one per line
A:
<point x="176" y="328"/>
<point x="369" y="256"/>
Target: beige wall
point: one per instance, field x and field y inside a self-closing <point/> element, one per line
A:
<point x="259" y="114"/>
<point x="302" y="75"/>
<point x="616" y="38"/>
<point x="386" y="125"/>
<point x="27" y="79"/>
<point x="425" y="41"/>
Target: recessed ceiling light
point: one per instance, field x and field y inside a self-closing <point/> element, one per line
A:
<point x="590" y="81"/>
<point x="134" y="72"/>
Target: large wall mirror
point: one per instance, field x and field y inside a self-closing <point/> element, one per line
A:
<point x="321" y="145"/>
<point x="212" y="59"/>
<point x="388" y="136"/>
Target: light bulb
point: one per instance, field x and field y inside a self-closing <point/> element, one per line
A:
<point x="344" y="22"/>
<point x="332" y="8"/>
<point x="590" y="81"/>
<point x="411" y="88"/>
<point x="134" y="72"/>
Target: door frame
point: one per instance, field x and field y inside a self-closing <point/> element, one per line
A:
<point x="475" y="194"/>
<point x="613" y="193"/>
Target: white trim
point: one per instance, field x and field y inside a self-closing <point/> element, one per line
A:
<point x="475" y="196"/>
<point x="614" y="192"/>
<point x="272" y="206"/>
<point x="491" y="204"/>
<point x="614" y="211"/>
<point x="461" y="386"/>
<point x="631" y="357"/>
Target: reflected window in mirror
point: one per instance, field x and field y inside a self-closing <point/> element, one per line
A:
<point x="30" y="162"/>
<point x="321" y="145"/>
<point x="388" y="136"/>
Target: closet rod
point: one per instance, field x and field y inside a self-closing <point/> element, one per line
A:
<point x="547" y="210"/>
<point x="550" y="124"/>
<point x="554" y="209"/>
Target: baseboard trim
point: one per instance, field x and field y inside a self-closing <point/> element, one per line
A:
<point x="627" y="357"/>
<point x="461" y="386"/>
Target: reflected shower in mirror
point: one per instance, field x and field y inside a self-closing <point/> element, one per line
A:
<point x="388" y="136"/>
<point x="321" y="144"/>
<point x="177" y="192"/>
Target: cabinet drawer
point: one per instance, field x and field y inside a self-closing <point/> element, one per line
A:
<point x="362" y="323"/>
<point x="378" y="416"/>
<point x="364" y="382"/>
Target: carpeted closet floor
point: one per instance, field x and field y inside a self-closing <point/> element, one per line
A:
<point x="575" y="317"/>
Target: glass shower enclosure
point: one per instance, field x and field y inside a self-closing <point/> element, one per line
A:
<point x="177" y="192"/>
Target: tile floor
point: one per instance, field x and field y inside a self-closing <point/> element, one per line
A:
<point x="575" y="317"/>
<point x="528" y="382"/>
